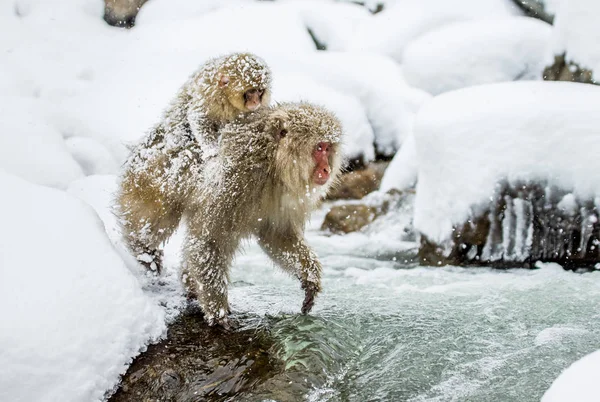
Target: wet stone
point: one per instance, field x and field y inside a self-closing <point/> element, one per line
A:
<point x="197" y="363"/>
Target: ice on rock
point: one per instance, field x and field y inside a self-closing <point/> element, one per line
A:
<point x="499" y="153"/>
<point x="477" y="52"/>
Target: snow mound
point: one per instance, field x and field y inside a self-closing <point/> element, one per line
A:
<point x="469" y="140"/>
<point x="401" y="174"/>
<point x="576" y="31"/>
<point x="477" y="52"/>
<point x="76" y="315"/>
<point x="390" y="31"/>
<point x="579" y="382"/>
<point x="32" y="147"/>
<point x="331" y="23"/>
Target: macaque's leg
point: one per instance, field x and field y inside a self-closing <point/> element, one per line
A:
<point x="147" y="225"/>
<point x="206" y="275"/>
<point x="289" y="250"/>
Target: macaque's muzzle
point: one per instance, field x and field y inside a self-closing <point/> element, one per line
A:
<point x="322" y="170"/>
<point x="253" y="99"/>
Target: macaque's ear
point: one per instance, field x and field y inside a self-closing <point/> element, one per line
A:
<point x="279" y="125"/>
<point x="223" y="80"/>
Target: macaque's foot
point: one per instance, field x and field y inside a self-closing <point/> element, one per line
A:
<point x="152" y="260"/>
<point x="216" y="314"/>
<point x="310" y="292"/>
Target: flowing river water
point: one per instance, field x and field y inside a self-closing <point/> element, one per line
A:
<point x="386" y="329"/>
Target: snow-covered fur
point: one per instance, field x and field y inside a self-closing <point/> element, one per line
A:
<point x="155" y="184"/>
<point x="257" y="181"/>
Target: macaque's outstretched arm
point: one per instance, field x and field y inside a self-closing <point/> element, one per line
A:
<point x="287" y="249"/>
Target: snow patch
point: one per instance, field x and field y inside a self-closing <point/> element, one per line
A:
<point x="579" y="382"/>
<point x="469" y="140"/>
<point x="477" y="52"/>
<point x="77" y="315"/>
<point x="577" y="32"/>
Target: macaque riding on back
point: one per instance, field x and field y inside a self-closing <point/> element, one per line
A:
<point x="234" y="167"/>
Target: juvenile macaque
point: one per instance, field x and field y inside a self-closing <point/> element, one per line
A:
<point x="271" y="169"/>
<point x="159" y="174"/>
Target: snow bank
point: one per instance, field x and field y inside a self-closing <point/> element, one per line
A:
<point x="31" y="146"/>
<point x="477" y="52"/>
<point x="469" y="140"/>
<point x="579" y="382"/>
<point x="401" y="174"/>
<point x="577" y="32"/>
<point x="390" y="31"/>
<point x="73" y="314"/>
<point x="331" y="23"/>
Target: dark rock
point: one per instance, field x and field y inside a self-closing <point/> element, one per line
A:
<point x="358" y="183"/>
<point x="525" y="223"/>
<point x="535" y="9"/>
<point x="563" y="71"/>
<point x="122" y="13"/>
<point x="197" y="363"/>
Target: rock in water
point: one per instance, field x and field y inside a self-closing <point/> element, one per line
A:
<point x="525" y="223"/>
<point x="197" y="363"/>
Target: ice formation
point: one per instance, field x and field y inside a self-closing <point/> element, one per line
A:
<point x="532" y="142"/>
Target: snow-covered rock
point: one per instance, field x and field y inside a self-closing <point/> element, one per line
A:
<point x="471" y="141"/>
<point x="401" y="174"/>
<point x="390" y="31"/>
<point x="577" y="33"/>
<point x="477" y="52"/>
<point x="579" y="382"/>
<point x="31" y="146"/>
<point x="74" y="315"/>
<point x="331" y="23"/>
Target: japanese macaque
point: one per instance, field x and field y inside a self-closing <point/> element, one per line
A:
<point x="157" y="180"/>
<point x="269" y="172"/>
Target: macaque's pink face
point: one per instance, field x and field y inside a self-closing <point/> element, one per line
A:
<point x="253" y="98"/>
<point x="321" y="157"/>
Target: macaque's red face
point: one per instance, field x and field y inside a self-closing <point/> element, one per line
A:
<point x="321" y="157"/>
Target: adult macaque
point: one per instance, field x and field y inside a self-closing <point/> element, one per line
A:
<point x="159" y="174"/>
<point x="271" y="169"/>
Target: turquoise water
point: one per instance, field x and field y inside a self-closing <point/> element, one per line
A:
<point x="385" y="329"/>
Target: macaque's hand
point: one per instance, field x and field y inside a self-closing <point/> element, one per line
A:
<point x="310" y="291"/>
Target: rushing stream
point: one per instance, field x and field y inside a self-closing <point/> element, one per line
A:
<point x="385" y="329"/>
